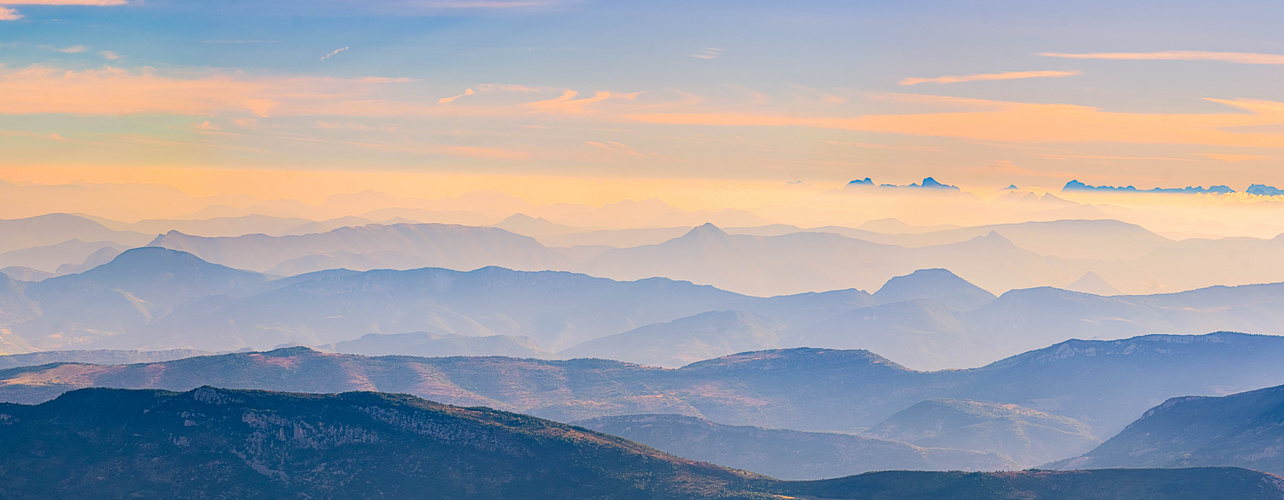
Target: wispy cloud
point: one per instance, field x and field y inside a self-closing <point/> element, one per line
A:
<point x="1177" y="55"/>
<point x="808" y="95"/>
<point x="109" y="55"/>
<point x="51" y="137"/>
<point x="568" y="104"/>
<point x="119" y="91"/>
<point x="1037" y="123"/>
<point x="1233" y="158"/>
<point x="1097" y="157"/>
<point x="7" y="14"/>
<point x="708" y="53"/>
<point x="882" y="146"/>
<point x="238" y="41"/>
<point x="1012" y="75"/>
<point x="332" y="54"/>
<point x="74" y="49"/>
<point x="625" y="149"/>
<point x="481" y="4"/>
<point x="102" y="3"/>
<point x="506" y="87"/>
<point x="448" y="100"/>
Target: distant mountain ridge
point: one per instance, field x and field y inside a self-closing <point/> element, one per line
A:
<point x="786" y="454"/>
<point x="52" y="229"/>
<point x="685" y="340"/>
<point x="1105" y="385"/>
<point x="152" y="298"/>
<point x="1025" y="435"/>
<point x="1079" y="186"/>
<point x="432" y="344"/>
<point x="1058" y="247"/>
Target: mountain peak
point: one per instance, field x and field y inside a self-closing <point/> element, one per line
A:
<point x="931" y="183"/>
<point x="153" y="256"/>
<point x="1094" y="284"/>
<point x="939" y="284"/>
<point x="707" y="229"/>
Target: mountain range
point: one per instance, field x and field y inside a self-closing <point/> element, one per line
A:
<point x="156" y="299"/>
<point x="256" y="444"/>
<point x="1101" y="385"/>
<point x="373" y="246"/>
<point x="1096" y="255"/>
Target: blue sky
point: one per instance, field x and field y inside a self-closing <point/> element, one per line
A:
<point x="768" y="91"/>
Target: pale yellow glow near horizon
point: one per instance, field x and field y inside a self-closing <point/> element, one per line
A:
<point x="800" y="204"/>
<point x="313" y="187"/>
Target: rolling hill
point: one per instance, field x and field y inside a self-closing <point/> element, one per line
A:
<point x="256" y="444"/>
<point x="786" y="454"/>
<point x="1241" y="430"/>
<point x="1027" y="437"/>
<point x="1103" y="384"/>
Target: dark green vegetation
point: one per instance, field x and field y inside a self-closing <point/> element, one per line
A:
<point x="1022" y="434"/>
<point x="1242" y="430"/>
<point x="217" y="443"/>
<point x="787" y="454"/>
<point x="1104" y="384"/>
<point x="1111" y="484"/>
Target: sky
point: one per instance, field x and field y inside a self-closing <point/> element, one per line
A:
<point x="594" y="102"/>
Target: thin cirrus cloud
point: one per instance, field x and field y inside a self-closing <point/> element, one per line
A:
<point x="118" y="91"/>
<point x="1102" y="157"/>
<point x="708" y="53"/>
<point x="448" y="100"/>
<point x="492" y="87"/>
<point x="1177" y="55"/>
<point x="1233" y="158"/>
<point x="334" y="53"/>
<point x="481" y="4"/>
<point x="7" y="14"/>
<point x="1016" y="122"/>
<point x="99" y="3"/>
<point x="568" y="104"/>
<point x="1011" y="75"/>
<point x="74" y="49"/>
